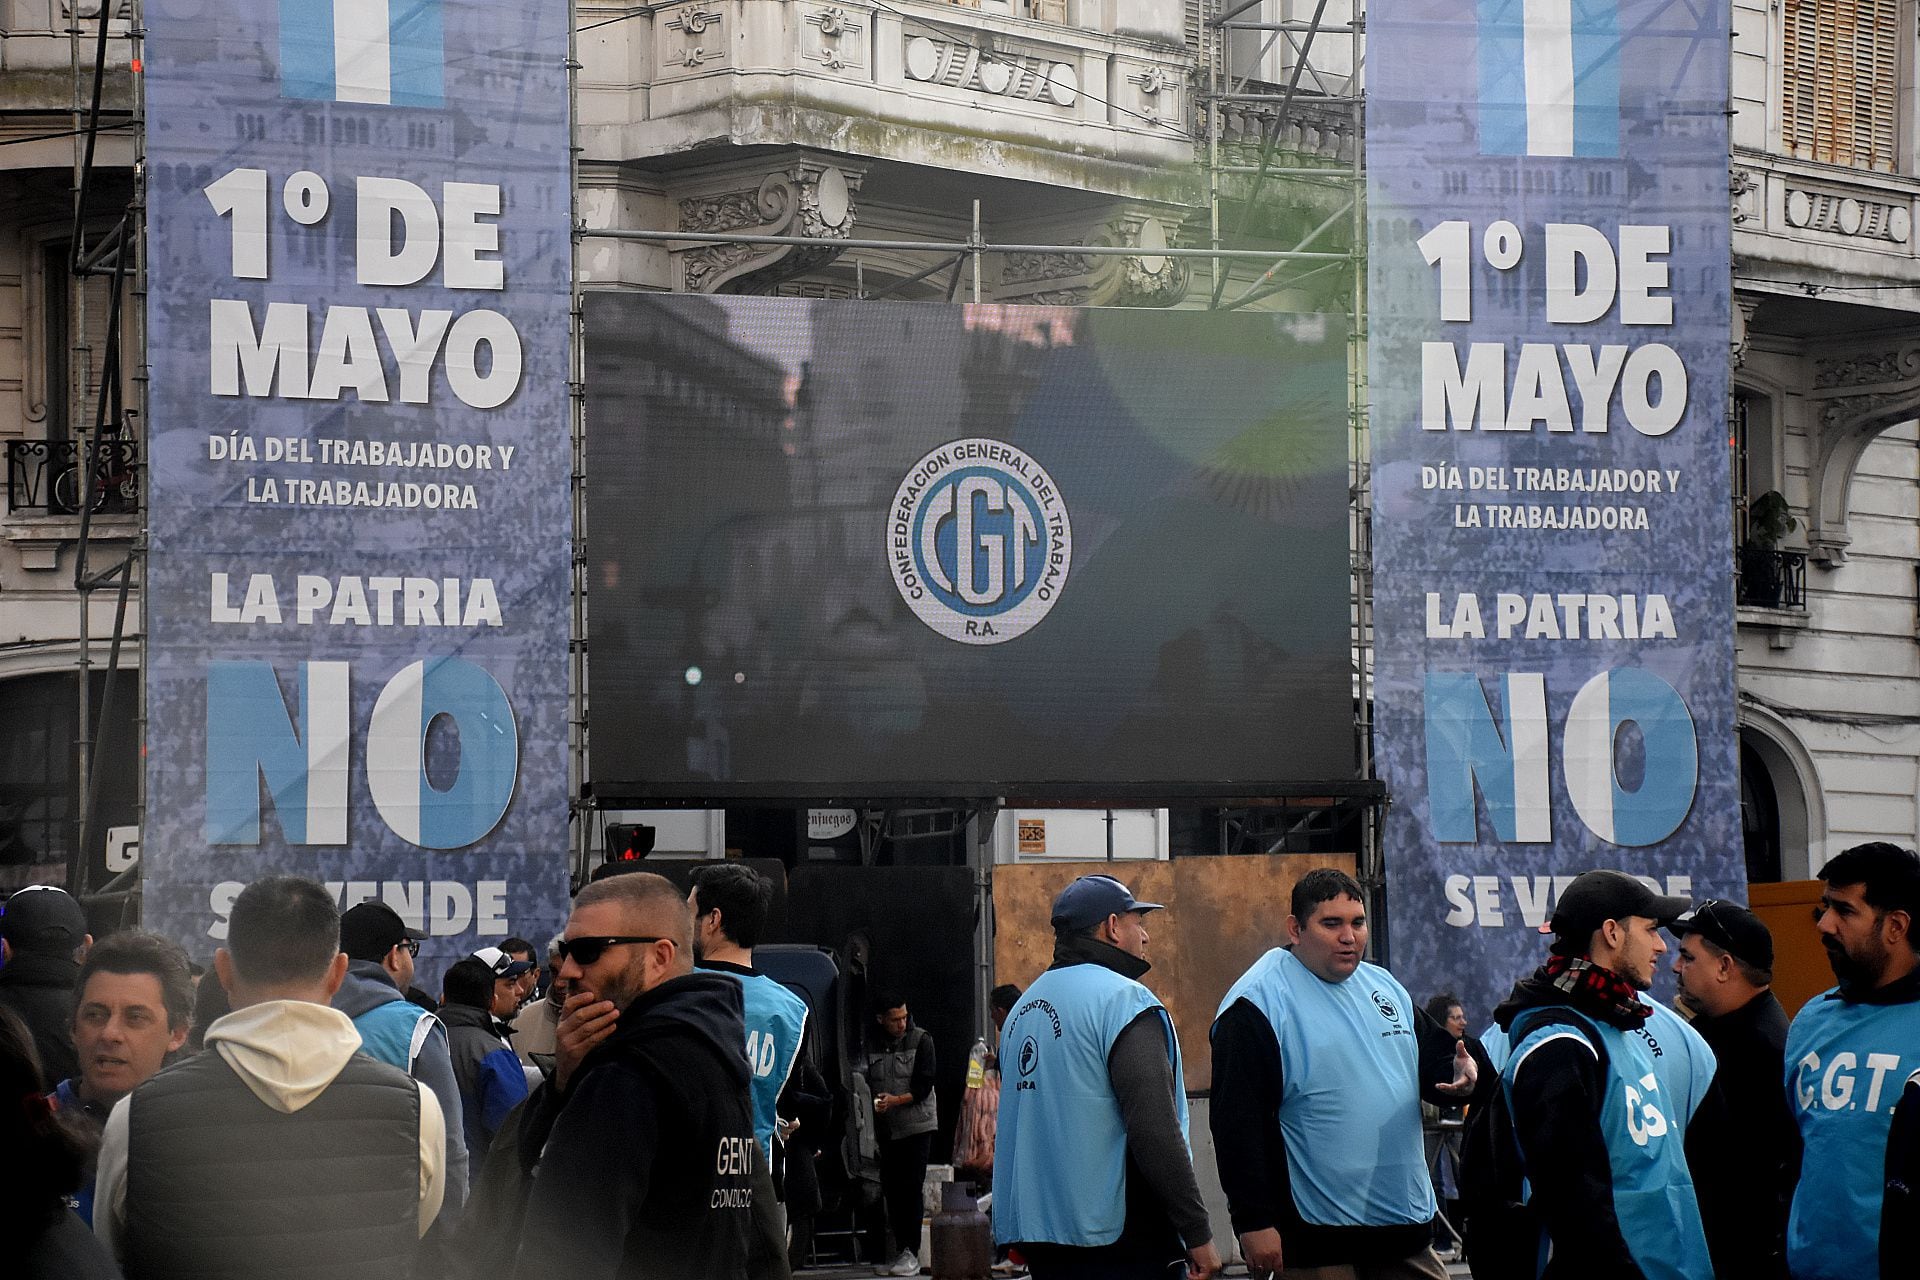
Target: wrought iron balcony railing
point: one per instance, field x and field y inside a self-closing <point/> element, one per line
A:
<point x="1772" y="579"/>
<point x="50" y="477"/>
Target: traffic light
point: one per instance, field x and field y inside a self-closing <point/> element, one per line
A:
<point x="628" y="842"/>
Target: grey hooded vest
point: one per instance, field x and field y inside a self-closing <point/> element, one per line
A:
<point x="220" y="1186"/>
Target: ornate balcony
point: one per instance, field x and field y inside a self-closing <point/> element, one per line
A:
<point x="48" y="478"/>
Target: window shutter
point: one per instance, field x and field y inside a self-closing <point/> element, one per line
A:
<point x="1841" y="82"/>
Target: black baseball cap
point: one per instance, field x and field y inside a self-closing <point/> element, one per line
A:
<point x="369" y="930"/>
<point x="1598" y="896"/>
<point x="1730" y="927"/>
<point x="42" y="917"/>
<point x="1091" y="899"/>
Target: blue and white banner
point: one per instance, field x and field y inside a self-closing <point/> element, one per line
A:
<point x="1549" y="317"/>
<point x="358" y="588"/>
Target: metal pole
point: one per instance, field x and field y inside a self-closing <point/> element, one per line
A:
<point x="579" y="810"/>
<point x="976" y="239"/>
<point x="954" y="247"/>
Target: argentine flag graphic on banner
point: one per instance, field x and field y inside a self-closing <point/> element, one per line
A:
<point x="387" y="52"/>
<point x="1549" y="77"/>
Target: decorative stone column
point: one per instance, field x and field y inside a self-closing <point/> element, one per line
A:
<point x="804" y="193"/>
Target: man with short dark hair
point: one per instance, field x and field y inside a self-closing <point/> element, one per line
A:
<point x="1743" y="1155"/>
<point x="490" y="1077"/>
<point x="211" y="1167"/>
<point x="535" y="1025"/>
<point x="1853" y="1076"/>
<point x="519" y="949"/>
<point x="513" y="977"/>
<point x="900" y="1069"/>
<point x="1603" y="1084"/>
<point x="729" y="901"/>
<point x="136" y="1001"/>
<point x="644" y="1136"/>
<point x="1312" y="1048"/>
<point x="1092" y="1175"/>
<point x="380" y="948"/>
<point x="43" y="938"/>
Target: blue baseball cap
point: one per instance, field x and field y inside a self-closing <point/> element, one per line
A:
<point x="1091" y="899"/>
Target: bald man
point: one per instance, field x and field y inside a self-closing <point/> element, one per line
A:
<point x="645" y="1133"/>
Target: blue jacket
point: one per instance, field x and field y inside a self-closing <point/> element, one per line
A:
<point x="492" y="1082"/>
<point x="365" y="997"/>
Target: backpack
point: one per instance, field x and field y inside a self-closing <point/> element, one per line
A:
<point x="1503" y="1235"/>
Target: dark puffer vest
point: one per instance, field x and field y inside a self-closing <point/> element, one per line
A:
<point x="220" y="1186"/>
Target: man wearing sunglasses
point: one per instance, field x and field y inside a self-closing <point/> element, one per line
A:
<point x="380" y="950"/>
<point x="645" y="1132"/>
<point x="1743" y="1155"/>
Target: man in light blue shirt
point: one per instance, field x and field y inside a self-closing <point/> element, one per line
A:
<point x="1319" y="1064"/>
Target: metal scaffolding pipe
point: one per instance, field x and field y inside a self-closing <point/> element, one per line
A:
<point x="960" y="247"/>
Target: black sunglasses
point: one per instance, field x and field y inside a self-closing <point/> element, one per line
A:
<point x="412" y="945"/>
<point x="587" y="950"/>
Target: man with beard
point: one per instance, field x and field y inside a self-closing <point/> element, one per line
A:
<point x="1602" y="1084"/>
<point x="644" y="1136"/>
<point x="1744" y="1154"/>
<point x="1852" y="1055"/>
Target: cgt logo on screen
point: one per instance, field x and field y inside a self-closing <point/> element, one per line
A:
<point x="979" y="541"/>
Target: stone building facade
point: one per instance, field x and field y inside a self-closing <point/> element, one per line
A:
<point x="1075" y="122"/>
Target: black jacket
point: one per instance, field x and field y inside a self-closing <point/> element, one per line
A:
<point x="1743" y="1155"/>
<point x="1556" y="1120"/>
<point x="646" y="1161"/>
<point x="42" y="989"/>
<point x="1248" y="1081"/>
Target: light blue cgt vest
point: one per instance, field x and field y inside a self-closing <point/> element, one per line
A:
<point x="393" y="1032"/>
<point x="776" y="1023"/>
<point x="1655" y="1079"/>
<point x="1847" y="1065"/>
<point x="1350" y="1095"/>
<point x="1060" y="1154"/>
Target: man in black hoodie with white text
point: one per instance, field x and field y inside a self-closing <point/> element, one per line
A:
<point x="645" y="1132"/>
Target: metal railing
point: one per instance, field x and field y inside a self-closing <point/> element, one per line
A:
<point x="49" y="477"/>
<point x="1770" y="579"/>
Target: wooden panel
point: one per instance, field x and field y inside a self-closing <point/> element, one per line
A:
<point x="1222" y="913"/>
<point x="1800" y="968"/>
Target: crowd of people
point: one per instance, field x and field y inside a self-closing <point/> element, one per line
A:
<point x="630" y="1120"/>
<point x="1605" y="1134"/>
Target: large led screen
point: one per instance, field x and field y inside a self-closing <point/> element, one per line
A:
<point x="884" y="549"/>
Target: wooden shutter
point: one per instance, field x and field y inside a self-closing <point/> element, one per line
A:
<point x="1841" y="89"/>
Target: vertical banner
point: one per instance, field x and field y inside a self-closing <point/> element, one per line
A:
<point x="1549" y="299"/>
<point x="358" y="587"/>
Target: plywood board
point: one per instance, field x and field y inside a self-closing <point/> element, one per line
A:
<point x="1222" y="913"/>
<point x="1800" y="968"/>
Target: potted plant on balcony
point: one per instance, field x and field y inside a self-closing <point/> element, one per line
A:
<point x="1762" y="575"/>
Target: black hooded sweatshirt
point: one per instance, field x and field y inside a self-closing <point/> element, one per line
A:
<point x="647" y="1162"/>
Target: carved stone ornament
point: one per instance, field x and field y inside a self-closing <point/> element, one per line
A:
<point x="702" y="38"/>
<point x="1006" y="73"/>
<point x="810" y="197"/>
<point x="1856" y="216"/>
<point x="843" y="38"/>
<point x="1857" y="395"/>
<point x="1101" y="280"/>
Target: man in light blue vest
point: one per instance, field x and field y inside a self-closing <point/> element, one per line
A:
<point x="1852" y="1055"/>
<point x="1319" y="1064"/>
<point x="1602" y="1084"/>
<point x="380" y="948"/>
<point x="730" y="902"/>
<point x="1092" y="1175"/>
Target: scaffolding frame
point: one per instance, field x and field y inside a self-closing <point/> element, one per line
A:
<point x="1286" y="268"/>
<point x="119" y="255"/>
